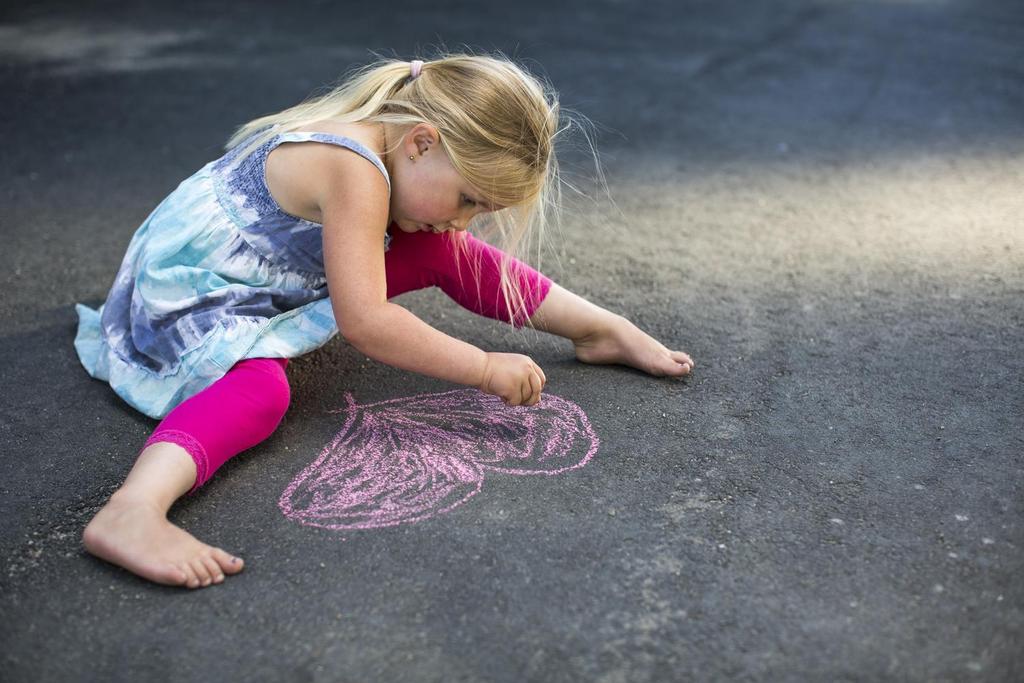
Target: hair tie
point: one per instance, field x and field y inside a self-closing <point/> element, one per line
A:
<point x="415" y="68"/>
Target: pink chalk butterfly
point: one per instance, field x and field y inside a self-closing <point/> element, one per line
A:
<point x="404" y="460"/>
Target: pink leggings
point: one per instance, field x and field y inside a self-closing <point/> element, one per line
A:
<point x="244" y="407"/>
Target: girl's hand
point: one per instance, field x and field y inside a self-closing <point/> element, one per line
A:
<point x="514" y="378"/>
<point x="618" y="341"/>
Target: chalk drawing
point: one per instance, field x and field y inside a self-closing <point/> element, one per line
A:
<point x="405" y="460"/>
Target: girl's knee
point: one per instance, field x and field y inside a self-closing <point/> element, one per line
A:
<point x="276" y="397"/>
<point x="266" y="387"/>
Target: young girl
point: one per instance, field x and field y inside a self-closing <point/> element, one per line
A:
<point x="311" y="221"/>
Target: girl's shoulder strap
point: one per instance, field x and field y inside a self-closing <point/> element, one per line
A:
<point x="331" y="139"/>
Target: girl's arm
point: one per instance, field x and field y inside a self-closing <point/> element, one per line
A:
<point x="353" y="199"/>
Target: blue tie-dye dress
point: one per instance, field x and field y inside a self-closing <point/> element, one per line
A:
<point x="218" y="272"/>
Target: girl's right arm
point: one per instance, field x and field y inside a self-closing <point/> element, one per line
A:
<point x="353" y="200"/>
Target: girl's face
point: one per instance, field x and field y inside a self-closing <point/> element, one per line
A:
<point x="428" y="194"/>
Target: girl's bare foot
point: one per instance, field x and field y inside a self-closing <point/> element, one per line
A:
<point x="621" y="342"/>
<point x="132" y="530"/>
<point x="136" y="535"/>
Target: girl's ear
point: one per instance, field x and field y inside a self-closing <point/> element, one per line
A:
<point x="424" y="135"/>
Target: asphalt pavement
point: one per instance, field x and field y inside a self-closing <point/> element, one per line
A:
<point x="821" y="202"/>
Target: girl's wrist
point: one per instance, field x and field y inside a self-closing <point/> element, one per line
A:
<point x="481" y="373"/>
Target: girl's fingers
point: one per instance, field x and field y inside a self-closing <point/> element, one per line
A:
<point x="537" y="386"/>
<point x="543" y="377"/>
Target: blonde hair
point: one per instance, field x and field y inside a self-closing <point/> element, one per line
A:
<point x="495" y="120"/>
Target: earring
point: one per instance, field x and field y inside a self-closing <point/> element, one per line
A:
<point x="412" y="158"/>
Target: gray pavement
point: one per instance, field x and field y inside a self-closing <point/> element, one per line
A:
<point x="820" y="201"/>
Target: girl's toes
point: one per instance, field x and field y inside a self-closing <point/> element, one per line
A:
<point x="173" y="575"/>
<point x="667" y="367"/>
<point x="680" y="357"/>
<point x="216" y="574"/>
<point x="191" y="580"/>
<point x="201" y="571"/>
<point x="228" y="564"/>
<point x="680" y="367"/>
